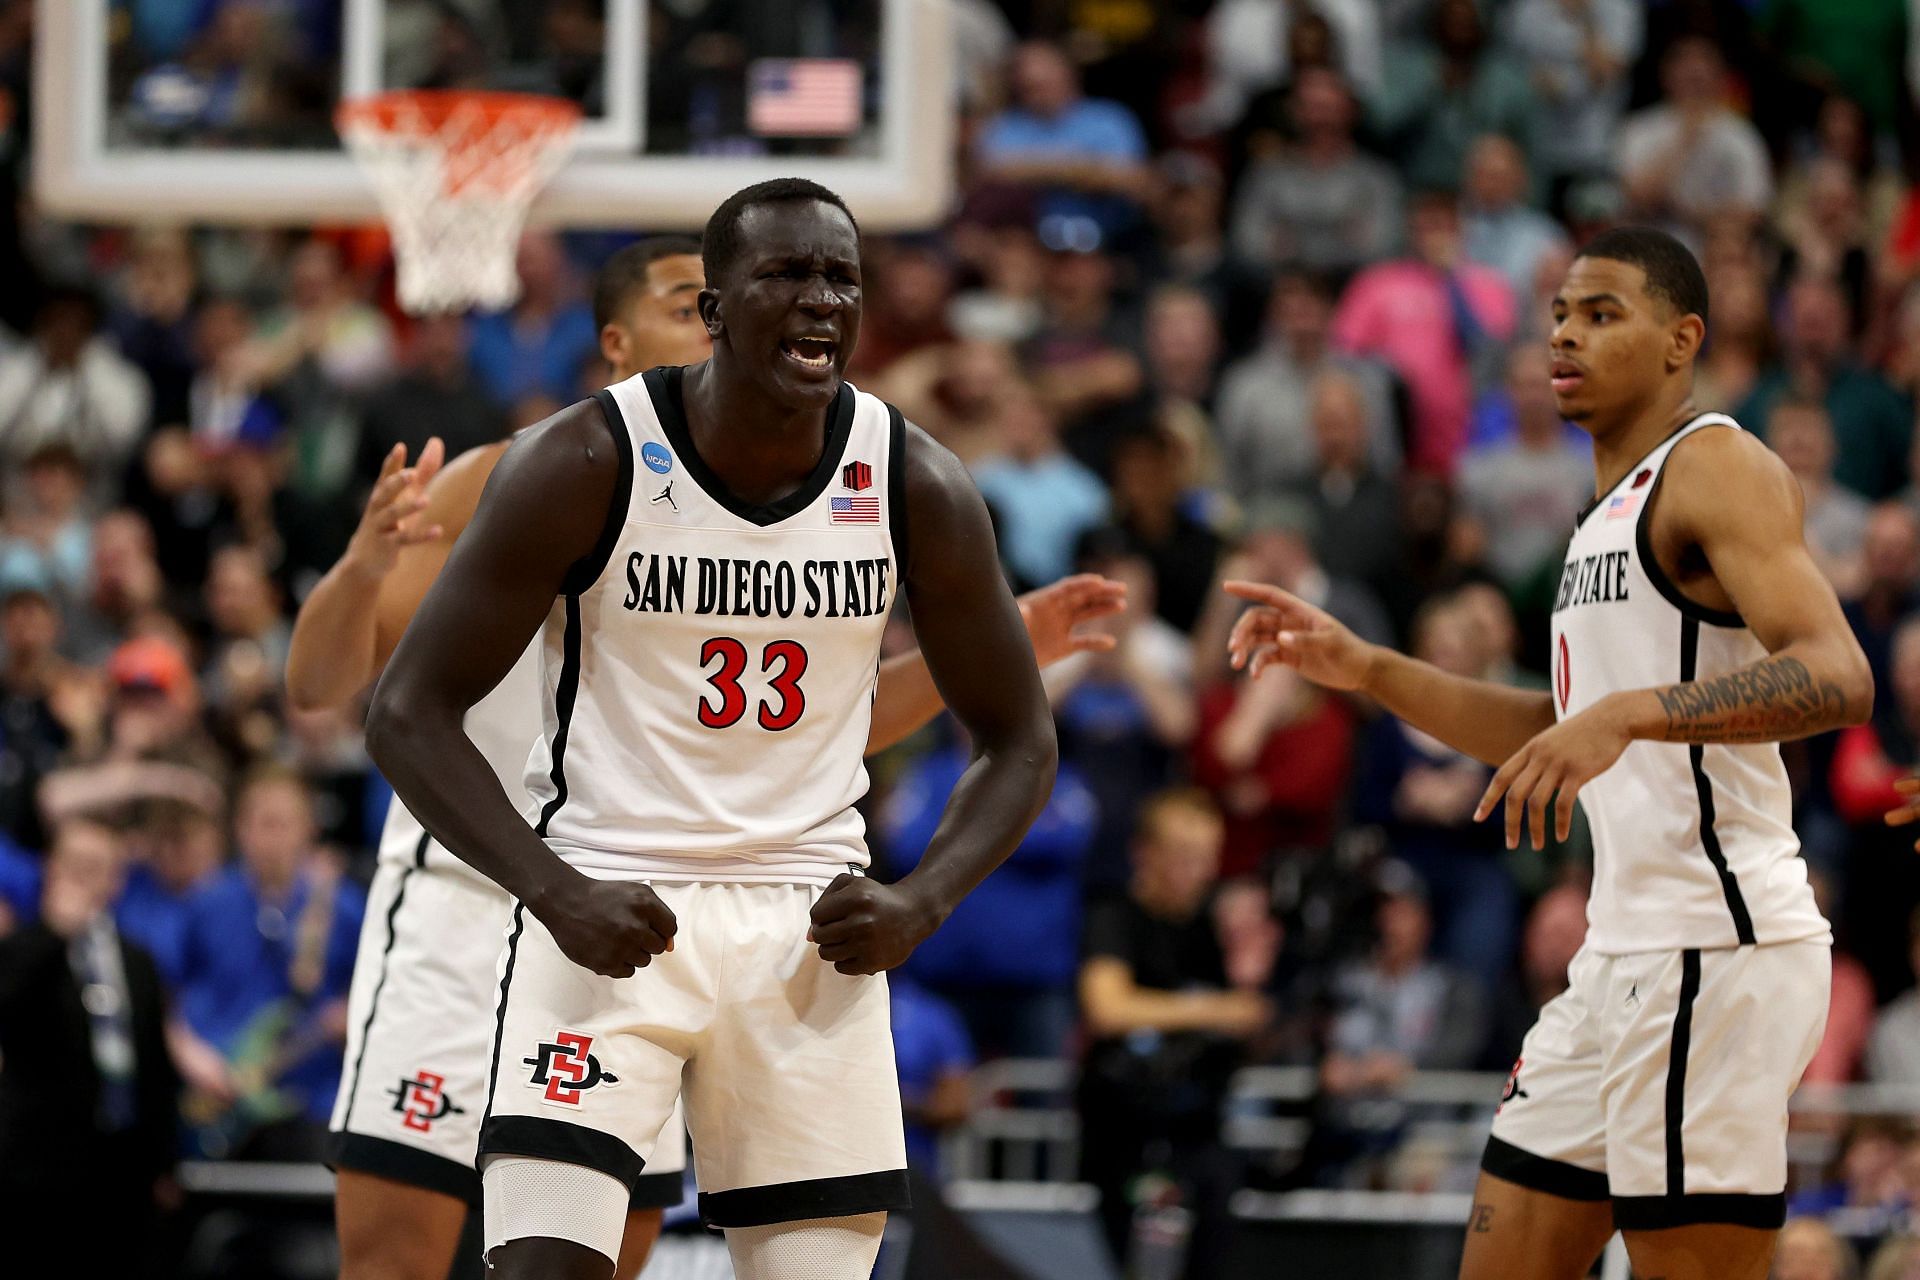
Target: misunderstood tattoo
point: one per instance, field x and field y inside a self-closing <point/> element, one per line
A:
<point x="1773" y="700"/>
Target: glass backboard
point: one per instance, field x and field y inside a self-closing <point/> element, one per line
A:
<point x="221" y="111"/>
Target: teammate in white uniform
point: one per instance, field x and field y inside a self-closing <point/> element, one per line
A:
<point x="1691" y="633"/>
<point x="421" y="1019"/>
<point x="709" y="556"/>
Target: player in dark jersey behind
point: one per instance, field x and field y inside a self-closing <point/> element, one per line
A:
<point x="1651" y="1097"/>
<point x="782" y="304"/>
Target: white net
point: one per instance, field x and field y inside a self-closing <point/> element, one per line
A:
<point x="455" y="174"/>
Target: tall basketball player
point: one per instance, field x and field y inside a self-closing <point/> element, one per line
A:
<point x="692" y="910"/>
<point x="1692" y="632"/>
<point x="406" y="1126"/>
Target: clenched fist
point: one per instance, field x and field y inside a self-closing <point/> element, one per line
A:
<point x="863" y="926"/>
<point x="609" y="926"/>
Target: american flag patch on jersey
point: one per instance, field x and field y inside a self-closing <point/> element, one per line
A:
<point x="1622" y="505"/>
<point x="856" y="511"/>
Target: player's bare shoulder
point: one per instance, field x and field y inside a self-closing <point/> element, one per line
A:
<point x="1719" y="479"/>
<point x="942" y="502"/>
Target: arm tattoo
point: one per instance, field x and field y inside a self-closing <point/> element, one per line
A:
<point x="1772" y="700"/>
<point x="1482" y="1218"/>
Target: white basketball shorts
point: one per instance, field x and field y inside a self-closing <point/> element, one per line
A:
<point x="785" y="1064"/>
<point x="420" y="1024"/>
<point x="1660" y="1081"/>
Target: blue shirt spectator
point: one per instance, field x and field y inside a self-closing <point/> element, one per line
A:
<point x="19" y="884"/>
<point x="1042" y="498"/>
<point x="1008" y="953"/>
<point x="536" y="348"/>
<point x="933" y="1053"/>
<point x="157" y="916"/>
<point x="1085" y="157"/>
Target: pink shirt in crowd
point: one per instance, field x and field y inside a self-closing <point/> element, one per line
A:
<point x="1398" y="312"/>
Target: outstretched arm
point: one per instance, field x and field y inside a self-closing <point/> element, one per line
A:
<point x="982" y="664"/>
<point x="1486" y="720"/>
<point x="355" y="615"/>
<point x="541" y="515"/>
<point x="1726" y="494"/>
<point x="906" y="697"/>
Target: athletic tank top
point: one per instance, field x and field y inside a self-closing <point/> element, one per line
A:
<point x="504" y="725"/>
<point x="1693" y="845"/>
<point x="709" y="675"/>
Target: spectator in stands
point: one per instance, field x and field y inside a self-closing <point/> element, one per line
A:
<point x="125" y="585"/>
<point x="1851" y="1006"/>
<point x="1180" y="338"/>
<point x="1578" y="55"/>
<point x="1166" y="1027"/>
<point x="935" y="1059"/>
<point x="1836" y="517"/>
<point x="244" y="607"/>
<point x="70" y="388"/>
<point x="908" y="286"/>
<point x="175" y="848"/>
<point x="1355" y="508"/>
<point x="535" y="347"/>
<point x="1872" y="428"/>
<point x="1189" y="247"/>
<point x="1006" y="305"/>
<point x="1005" y="958"/>
<point x="34" y="678"/>
<point x="1084" y="358"/>
<point x="1890" y="589"/>
<point x="268" y="956"/>
<point x="1897" y="1258"/>
<point x="1084" y="157"/>
<point x="1865" y="1175"/>
<point x="89" y="1096"/>
<point x="1826" y="235"/>
<point x="1525" y="492"/>
<point x="1883" y="885"/>
<point x="1248" y="46"/>
<point x="1741" y="345"/>
<point x="1124" y="713"/>
<point x="1691" y="158"/>
<point x="436" y="395"/>
<point x="324" y="336"/>
<point x="1400" y="1010"/>
<point x="1431" y="318"/>
<point x="1555" y="930"/>
<point x="1321" y="202"/>
<point x="1500" y="228"/>
<point x="1266" y="438"/>
<point x="1893" y="1050"/>
<point x="1443" y="91"/>
<point x="1149" y="511"/>
<point x="45" y="535"/>
<point x="153" y="323"/>
<point x="1042" y="499"/>
<point x="954" y="393"/>
<point x="1809" y="1249"/>
<point x="1422" y="793"/>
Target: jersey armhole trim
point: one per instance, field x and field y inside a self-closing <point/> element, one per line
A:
<point x="1668" y="589"/>
<point x="897" y="489"/>
<point x="587" y="570"/>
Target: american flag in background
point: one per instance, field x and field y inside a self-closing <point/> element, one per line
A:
<point x="803" y="97"/>
<point x="856" y="511"/>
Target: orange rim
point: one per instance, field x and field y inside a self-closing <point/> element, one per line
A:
<point x="432" y="108"/>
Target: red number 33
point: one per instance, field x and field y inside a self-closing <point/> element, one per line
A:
<point x="732" y="655"/>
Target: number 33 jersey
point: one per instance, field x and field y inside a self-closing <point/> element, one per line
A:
<point x="709" y="675"/>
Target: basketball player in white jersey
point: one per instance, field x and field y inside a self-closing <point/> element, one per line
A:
<point x="692" y="910"/>
<point x="406" y="1125"/>
<point x="1692" y="632"/>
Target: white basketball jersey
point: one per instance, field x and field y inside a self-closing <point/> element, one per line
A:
<point x="504" y="725"/>
<point x="1693" y="845"/>
<point x="709" y="677"/>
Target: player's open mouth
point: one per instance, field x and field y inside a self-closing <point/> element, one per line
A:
<point x="813" y="353"/>
<point x="1566" y="376"/>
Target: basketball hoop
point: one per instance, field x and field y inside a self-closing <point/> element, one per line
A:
<point x="455" y="173"/>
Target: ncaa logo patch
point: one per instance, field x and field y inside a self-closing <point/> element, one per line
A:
<point x="565" y="1068"/>
<point x="655" y="455"/>
<point x="421" y="1099"/>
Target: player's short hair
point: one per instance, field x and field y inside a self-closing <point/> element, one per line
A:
<point x="1673" y="273"/>
<point x="720" y="242"/>
<point x="626" y="272"/>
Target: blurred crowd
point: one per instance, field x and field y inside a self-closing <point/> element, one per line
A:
<point x="1250" y="288"/>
